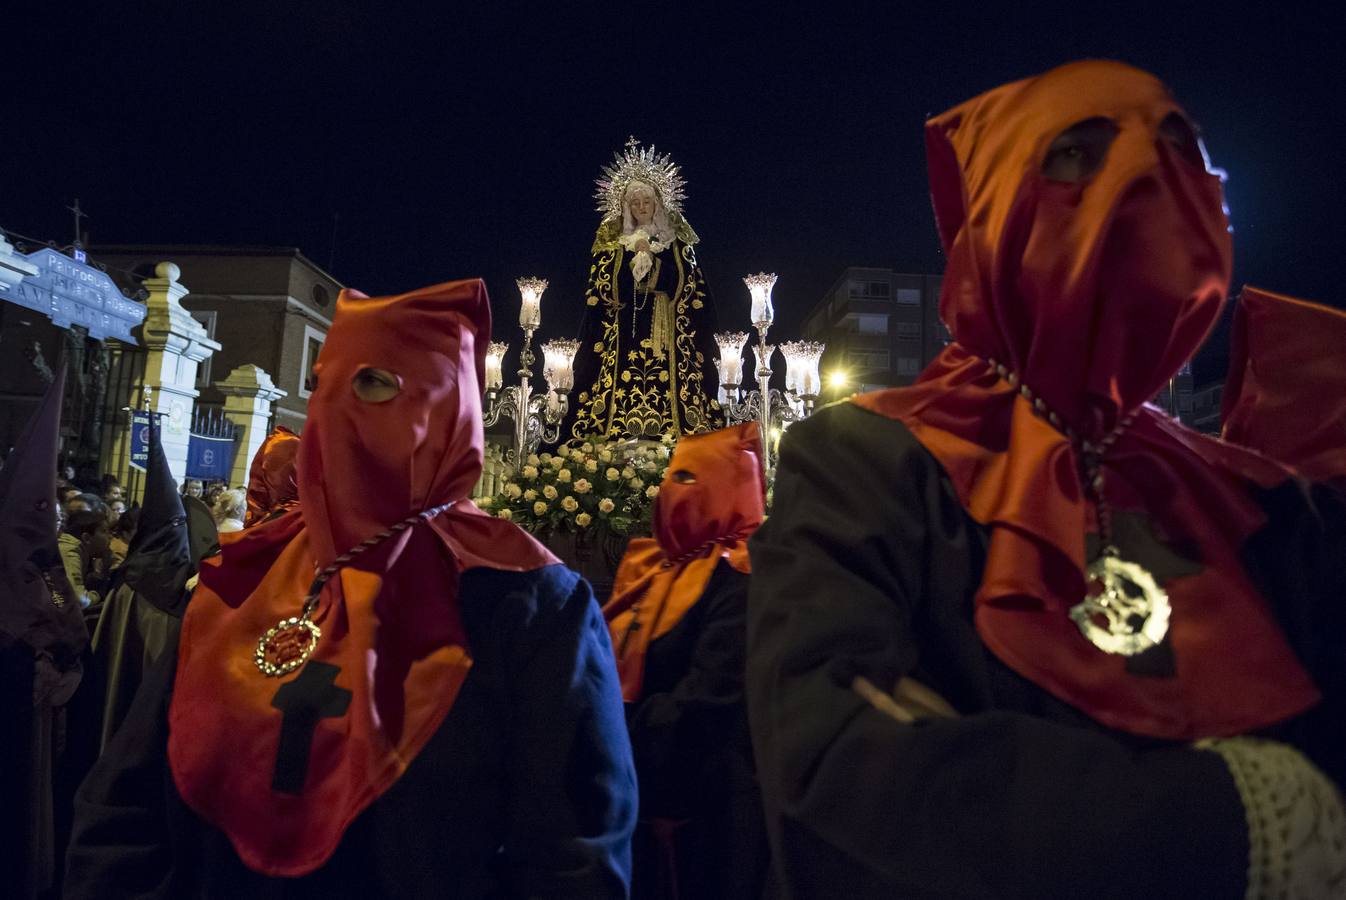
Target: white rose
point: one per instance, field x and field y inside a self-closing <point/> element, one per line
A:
<point x="546" y="457"/>
<point x="583" y="486"/>
<point x="605" y="456"/>
<point x="570" y="504"/>
<point x="530" y="495"/>
<point x="583" y="520"/>
<point x="505" y="514"/>
<point x="556" y="462"/>
<point x="628" y="472"/>
<point x="530" y="472"/>
<point x="563" y="451"/>
<point x="612" y="474"/>
<point x="533" y="459"/>
<point x="652" y="491"/>
<point x="648" y="467"/>
<point x="606" y="505"/>
<point x="483" y="502"/>
<point x="539" y="508"/>
<point x="590" y="465"/>
<point x="513" y="491"/>
<point x="636" y="483"/>
<point x="549" y="492"/>
<point x="588" y="447"/>
<point x="563" y="476"/>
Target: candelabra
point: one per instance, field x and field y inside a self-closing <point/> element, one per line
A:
<point x="538" y="417"/>
<point x="770" y="407"/>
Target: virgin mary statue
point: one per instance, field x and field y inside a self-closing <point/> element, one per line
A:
<point x="644" y="363"/>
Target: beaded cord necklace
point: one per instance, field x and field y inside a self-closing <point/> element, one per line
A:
<point x="289" y="643"/>
<point x="1124" y="611"/>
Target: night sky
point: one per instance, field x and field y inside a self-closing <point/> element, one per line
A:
<point x="465" y="142"/>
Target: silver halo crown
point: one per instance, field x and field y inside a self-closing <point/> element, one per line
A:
<point x="639" y="163"/>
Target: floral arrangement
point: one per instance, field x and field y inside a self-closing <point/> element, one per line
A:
<point x="608" y="487"/>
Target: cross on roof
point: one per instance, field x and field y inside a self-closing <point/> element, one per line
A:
<point x="79" y="214"/>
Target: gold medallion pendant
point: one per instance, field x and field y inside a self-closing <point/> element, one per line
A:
<point x="1128" y="613"/>
<point x="286" y="646"/>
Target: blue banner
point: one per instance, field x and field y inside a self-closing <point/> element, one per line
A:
<point x="140" y="440"/>
<point x="210" y="459"/>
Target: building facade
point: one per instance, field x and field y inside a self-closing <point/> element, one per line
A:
<point x="266" y="306"/>
<point x="881" y="328"/>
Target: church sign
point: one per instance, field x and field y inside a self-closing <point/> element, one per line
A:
<point x="72" y="293"/>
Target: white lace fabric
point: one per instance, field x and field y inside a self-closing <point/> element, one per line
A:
<point x="1296" y="821"/>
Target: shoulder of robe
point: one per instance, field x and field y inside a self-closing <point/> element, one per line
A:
<point x="844" y="431"/>
<point x="536" y="599"/>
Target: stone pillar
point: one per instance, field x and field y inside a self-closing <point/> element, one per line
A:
<point x="175" y="344"/>
<point x="248" y="395"/>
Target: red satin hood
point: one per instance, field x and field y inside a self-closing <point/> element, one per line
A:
<point x="393" y="641"/>
<point x="726" y="497"/>
<point x="1286" y="392"/>
<point x="364" y="466"/>
<point x="1042" y="275"/>
<point x="711" y="501"/>
<point x="271" y="478"/>
<point x="1092" y="295"/>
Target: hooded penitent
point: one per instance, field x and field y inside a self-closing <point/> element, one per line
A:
<point x="710" y="502"/>
<point x="159" y="560"/>
<point x="1088" y="296"/>
<point x="393" y="648"/>
<point x="1286" y="392"/>
<point x="272" y="486"/>
<point x="37" y="604"/>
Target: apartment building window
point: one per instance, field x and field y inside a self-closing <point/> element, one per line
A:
<point x="866" y="323"/>
<point x="907" y="365"/>
<point x="910" y="330"/>
<point x="909" y="296"/>
<point x="868" y="360"/>
<point x="876" y="290"/>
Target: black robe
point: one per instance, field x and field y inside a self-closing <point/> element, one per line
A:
<point x="526" y="790"/>
<point x="689" y="734"/>
<point x="868" y="562"/>
<point x="625" y="388"/>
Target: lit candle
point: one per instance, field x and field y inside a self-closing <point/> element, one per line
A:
<point x="731" y="357"/>
<point x="530" y="312"/>
<point x="495" y="363"/>
<point x="558" y="363"/>
<point x="801" y="367"/>
<point x="763" y="358"/>
<point x="760" y="286"/>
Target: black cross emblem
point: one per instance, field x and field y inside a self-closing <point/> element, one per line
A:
<point x="305" y="700"/>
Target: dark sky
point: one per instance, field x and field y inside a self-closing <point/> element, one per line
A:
<point x="465" y="142"/>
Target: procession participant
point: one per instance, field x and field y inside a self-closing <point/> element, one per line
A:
<point x="272" y="489"/>
<point x="1286" y="391"/>
<point x="42" y="638"/>
<point x="436" y="713"/>
<point x="1134" y="692"/>
<point x="677" y="620"/>
<point x="141" y="617"/>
